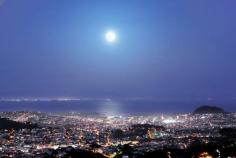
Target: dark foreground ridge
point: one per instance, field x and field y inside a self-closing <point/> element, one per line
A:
<point x="223" y="146"/>
<point x="159" y="136"/>
<point x="9" y="124"/>
<point x="206" y="109"/>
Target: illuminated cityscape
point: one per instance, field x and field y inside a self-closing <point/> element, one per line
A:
<point x="107" y="134"/>
<point x="117" y="79"/>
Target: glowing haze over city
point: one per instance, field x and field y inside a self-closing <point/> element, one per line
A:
<point x="118" y="79"/>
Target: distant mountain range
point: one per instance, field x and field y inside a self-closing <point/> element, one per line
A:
<point x="206" y="109"/>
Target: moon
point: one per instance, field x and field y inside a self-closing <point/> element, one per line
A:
<point x="110" y="36"/>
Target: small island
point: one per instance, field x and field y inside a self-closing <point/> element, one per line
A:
<point x="206" y="109"/>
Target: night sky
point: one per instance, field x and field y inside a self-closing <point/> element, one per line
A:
<point x="168" y="50"/>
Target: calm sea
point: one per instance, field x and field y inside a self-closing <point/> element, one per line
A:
<point x="108" y="107"/>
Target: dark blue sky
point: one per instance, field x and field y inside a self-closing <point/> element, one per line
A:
<point x="173" y="50"/>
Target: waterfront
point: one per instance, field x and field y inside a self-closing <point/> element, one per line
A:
<point x="107" y="106"/>
<point x="107" y="134"/>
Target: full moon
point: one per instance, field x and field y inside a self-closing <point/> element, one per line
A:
<point x="110" y="36"/>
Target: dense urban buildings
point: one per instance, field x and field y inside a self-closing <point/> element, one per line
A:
<point x="57" y="135"/>
<point x="117" y="78"/>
